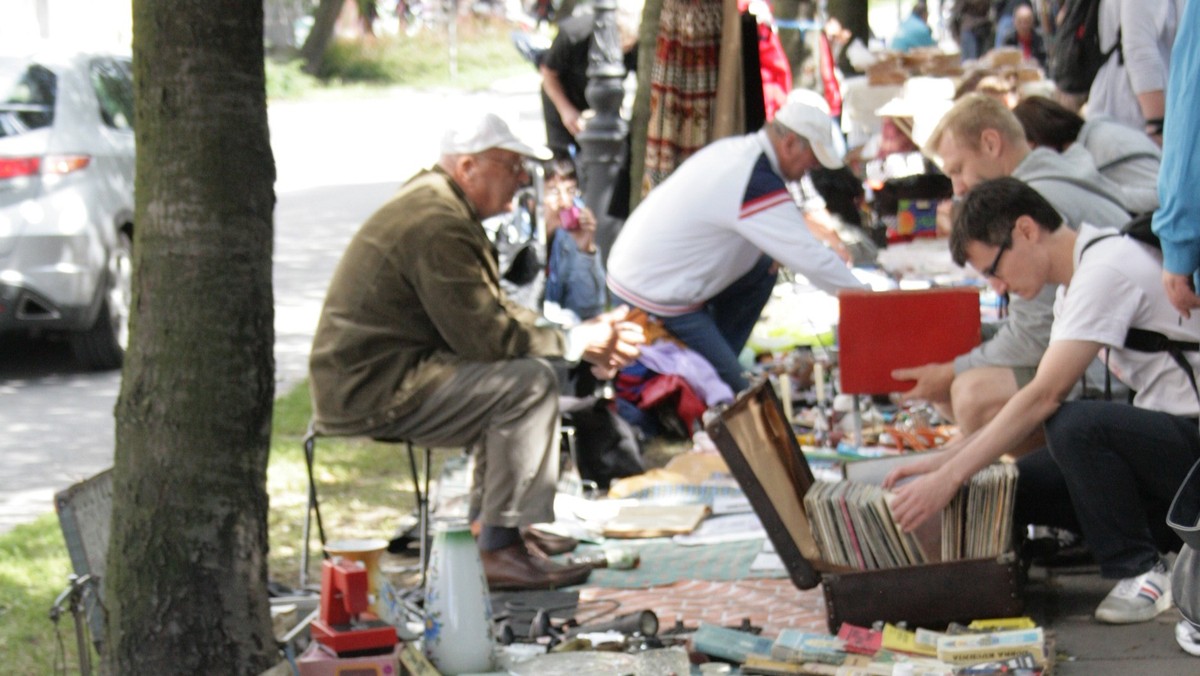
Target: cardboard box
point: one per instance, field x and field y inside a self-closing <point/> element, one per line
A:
<point x="315" y="661"/>
<point x="761" y="450"/>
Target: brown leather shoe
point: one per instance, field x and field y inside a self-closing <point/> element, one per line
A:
<point x="545" y="544"/>
<point x="515" y="568"/>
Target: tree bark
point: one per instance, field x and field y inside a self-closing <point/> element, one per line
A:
<point x="324" y="21"/>
<point x="187" y="575"/>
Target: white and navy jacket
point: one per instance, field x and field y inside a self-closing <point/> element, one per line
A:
<point x="707" y="225"/>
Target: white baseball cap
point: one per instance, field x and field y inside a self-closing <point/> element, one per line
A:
<point x="803" y="116"/>
<point x="478" y="133"/>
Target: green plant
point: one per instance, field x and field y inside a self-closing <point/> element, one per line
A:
<point x="287" y="79"/>
<point x="483" y="51"/>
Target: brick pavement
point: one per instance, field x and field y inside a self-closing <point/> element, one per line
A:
<point x="772" y="604"/>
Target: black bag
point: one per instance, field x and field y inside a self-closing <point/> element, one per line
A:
<point x="606" y="446"/>
<point x="1075" y="55"/>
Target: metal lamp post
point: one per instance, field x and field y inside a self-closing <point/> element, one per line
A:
<point x="601" y="143"/>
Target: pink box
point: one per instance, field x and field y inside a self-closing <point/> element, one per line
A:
<point x="317" y="662"/>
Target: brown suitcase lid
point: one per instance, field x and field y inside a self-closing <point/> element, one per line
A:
<point x="774" y="476"/>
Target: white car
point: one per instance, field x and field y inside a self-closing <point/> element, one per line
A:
<point x="66" y="199"/>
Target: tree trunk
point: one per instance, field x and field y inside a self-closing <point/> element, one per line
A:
<point x="324" y="21"/>
<point x="187" y="575"/>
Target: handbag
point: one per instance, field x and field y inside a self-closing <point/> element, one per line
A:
<point x="1184" y="519"/>
<point x="1184" y="515"/>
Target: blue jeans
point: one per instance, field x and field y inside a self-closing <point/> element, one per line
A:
<point x="719" y="330"/>
<point x="968" y="45"/>
<point x="1004" y="26"/>
<point x="1122" y="466"/>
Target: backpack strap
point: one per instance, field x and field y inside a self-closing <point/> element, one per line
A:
<point x="1144" y="340"/>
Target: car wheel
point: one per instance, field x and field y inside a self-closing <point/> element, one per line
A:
<point x="102" y="347"/>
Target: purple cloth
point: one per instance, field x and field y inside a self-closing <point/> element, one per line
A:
<point x="669" y="358"/>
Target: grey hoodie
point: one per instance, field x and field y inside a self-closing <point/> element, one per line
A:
<point x="1125" y="156"/>
<point x="1080" y="194"/>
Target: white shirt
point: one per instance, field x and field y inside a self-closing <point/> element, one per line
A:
<point x="1118" y="285"/>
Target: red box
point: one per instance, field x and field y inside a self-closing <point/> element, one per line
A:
<point x="879" y="331"/>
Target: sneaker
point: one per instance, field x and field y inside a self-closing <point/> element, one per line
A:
<point x="1188" y="637"/>
<point x="1137" y="599"/>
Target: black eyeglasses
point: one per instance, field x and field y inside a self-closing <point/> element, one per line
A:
<point x="516" y="167"/>
<point x="990" y="271"/>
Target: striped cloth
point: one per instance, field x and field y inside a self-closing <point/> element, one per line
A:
<point x="683" y="86"/>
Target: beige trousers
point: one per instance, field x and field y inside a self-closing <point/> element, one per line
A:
<point x="507" y="412"/>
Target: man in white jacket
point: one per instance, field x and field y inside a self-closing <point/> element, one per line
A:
<point x="700" y="251"/>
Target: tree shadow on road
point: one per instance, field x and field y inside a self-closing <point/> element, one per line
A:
<point x="23" y="357"/>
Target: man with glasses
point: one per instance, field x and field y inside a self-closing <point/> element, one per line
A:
<point x="1120" y="464"/>
<point x="417" y="341"/>
<point x="980" y="139"/>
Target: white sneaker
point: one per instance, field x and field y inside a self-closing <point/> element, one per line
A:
<point x="1188" y="637"/>
<point x="1137" y="599"/>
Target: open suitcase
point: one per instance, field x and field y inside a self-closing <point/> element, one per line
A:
<point x="761" y="450"/>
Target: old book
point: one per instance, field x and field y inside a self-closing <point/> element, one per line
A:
<point x="880" y="331"/>
<point x="992" y="646"/>
<point x="651" y="521"/>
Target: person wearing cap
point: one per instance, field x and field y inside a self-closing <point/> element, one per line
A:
<point x="416" y="341"/>
<point x="699" y="251"/>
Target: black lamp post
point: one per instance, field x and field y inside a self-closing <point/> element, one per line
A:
<point x="601" y="143"/>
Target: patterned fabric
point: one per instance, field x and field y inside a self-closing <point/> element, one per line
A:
<point x="683" y="86"/>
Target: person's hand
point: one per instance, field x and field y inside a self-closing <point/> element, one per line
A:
<point x="1180" y="292"/>
<point x="819" y="225"/>
<point x="587" y="220"/>
<point x="612" y="342"/>
<point x="572" y="119"/>
<point x="929" y="462"/>
<point x="933" y="382"/>
<point x="920" y="499"/>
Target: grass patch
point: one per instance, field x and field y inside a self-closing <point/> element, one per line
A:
<point x="33" y="570"/>
<point x="483" y="53"/>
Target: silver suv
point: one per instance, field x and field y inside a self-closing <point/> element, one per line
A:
<point x="66" y="199"/>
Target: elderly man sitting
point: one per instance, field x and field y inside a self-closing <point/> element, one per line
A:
<point x="417" y="341"/>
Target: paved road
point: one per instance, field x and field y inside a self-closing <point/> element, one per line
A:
<point x="336" y="160"/>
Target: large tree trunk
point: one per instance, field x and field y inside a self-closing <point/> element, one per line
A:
<point x="187" y="576"/>
<point x="324" y="21"/>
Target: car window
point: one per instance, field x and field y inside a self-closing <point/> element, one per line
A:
<point x="114" y="90"/>
<point x="26" y="99"/>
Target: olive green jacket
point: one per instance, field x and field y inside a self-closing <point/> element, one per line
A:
<point x="416" y="292"/>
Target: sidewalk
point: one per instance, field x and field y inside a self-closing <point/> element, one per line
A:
<point x="1062" y="601"/>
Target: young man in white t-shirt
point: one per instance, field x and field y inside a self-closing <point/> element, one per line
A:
<point x="1119" y="463"/>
